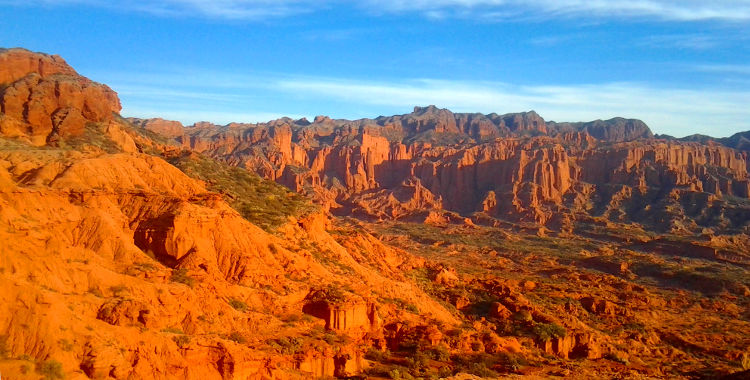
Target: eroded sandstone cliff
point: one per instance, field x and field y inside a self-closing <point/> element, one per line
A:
<point x="514" y="167"/>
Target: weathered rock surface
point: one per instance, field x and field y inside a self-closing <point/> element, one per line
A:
<point x="43" y="99"/>
<point x="167" y="128"/>
<point x="116" y="264"/>
<point x="511" y="167"/>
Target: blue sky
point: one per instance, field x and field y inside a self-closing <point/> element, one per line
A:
<point x="681" y="66"/>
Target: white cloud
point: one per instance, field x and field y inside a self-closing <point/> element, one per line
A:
<point x="680" y="10"/>
<point x="190" y="116"/>
<point x="224" y="97"/>
<point x="673" y="111"/>
<point x="724" y="69"/>
<point x="674" y="10"/>
<point x="683" y="41"/>
<point x="219" y="9"/>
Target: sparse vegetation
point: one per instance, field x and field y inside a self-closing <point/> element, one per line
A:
<point x="237" y="337"/>
<point x="4" y="347"/>
<point x="117" y="290"/>
<point x="95" y="291"/>
<point x="50" y="369"/>
<point x="287" y="345"/>
<point x="144" y="267"/>
<point x="181" y="340"/>
<point x="548" y="331"/>
<point x="376" y="355"/>
<point x="172" y="330"/>
<point x="262" y="202"/>
<point x="94" y="134"/>
<point x="617" y="357"/>
<point x="238" y="305"/>
<point x="478" y="364"/>
<point x="66" y="345"/>
<point x="181" y="276"/>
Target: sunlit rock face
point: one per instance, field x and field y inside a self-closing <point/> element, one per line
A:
<point x="514" y="167"/>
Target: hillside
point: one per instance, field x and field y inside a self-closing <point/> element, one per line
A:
<point x="426" y="245"/>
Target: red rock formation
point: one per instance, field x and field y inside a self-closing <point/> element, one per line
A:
<point x="574" y="346"/>
<point x="433" y="160"/>
<point x="599" y="306"/>
<point x="18" y="63"/>
<point x="341" y="315"/>
<point x="167" y="128"/>
<point x="43" y="99"/>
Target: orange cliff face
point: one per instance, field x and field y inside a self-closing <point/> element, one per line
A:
<point x="512" y="167"/>
<point x="43" y="99"/>
<point x="115" y="263"/>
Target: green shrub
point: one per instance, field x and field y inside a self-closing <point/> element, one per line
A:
<point x="418" y="363"/>
<point x="400" y="373"/>
<point x="66" y="345"/>
<point x="439" y="353"/>
<point x="512" y="361"/>
<point x="412" y="308"/>
<point x="376" y="355"/>
<point x="181" y="340"/>
<point x="236" y="337"/>
<point x="95" y="291"/>
<point x="523" y="316"/>
<point x="616" y="357"/>
<point x="262" y="202"/>
<point x="50" y="369"/>
<point x="238" y="305"/>
<point x="481" y="370"/>
<point x="4" y="351"/>
<point x="287" y="345"/>
<point x="117" y="290"/>
<point x="172" y="330"/>
<point x="548" y="331"/>
<point x="476" y="364"/>
<point x="181" y="276"/>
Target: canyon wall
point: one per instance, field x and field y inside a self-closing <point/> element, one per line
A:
<point x="511" y="167"/>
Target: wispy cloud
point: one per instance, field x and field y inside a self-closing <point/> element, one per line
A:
<point x="553" y="40"/>
<point x="190" y="116"/>
<point x="219" y="9"/>
<point x="224" y="97"/>
<point x="683" y="41"/>
<point x="723" y="68"/>
<point x="678" y="10"/>
<point x="672" y="111"/>
<point x="672" y="10"/>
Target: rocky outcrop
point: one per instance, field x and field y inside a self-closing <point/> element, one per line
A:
<point x="342" y="315"/>
<point x="574" y="346"/>
<point x="18" y="63"/>
<point x="612" y="130"/>
<point x="166" y="128"/>
<point x="599" y="306"/>
<point x="342" y="364"/>
<point x="42" y="99"/>
<point x="511" y="167"/>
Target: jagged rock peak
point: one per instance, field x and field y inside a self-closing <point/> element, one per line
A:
<point x="43" y="99"/>
<point x="16" y="63"/>
<point x="431" y="109"/>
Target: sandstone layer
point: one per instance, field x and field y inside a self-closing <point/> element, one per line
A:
<point x="513" y="167"/>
